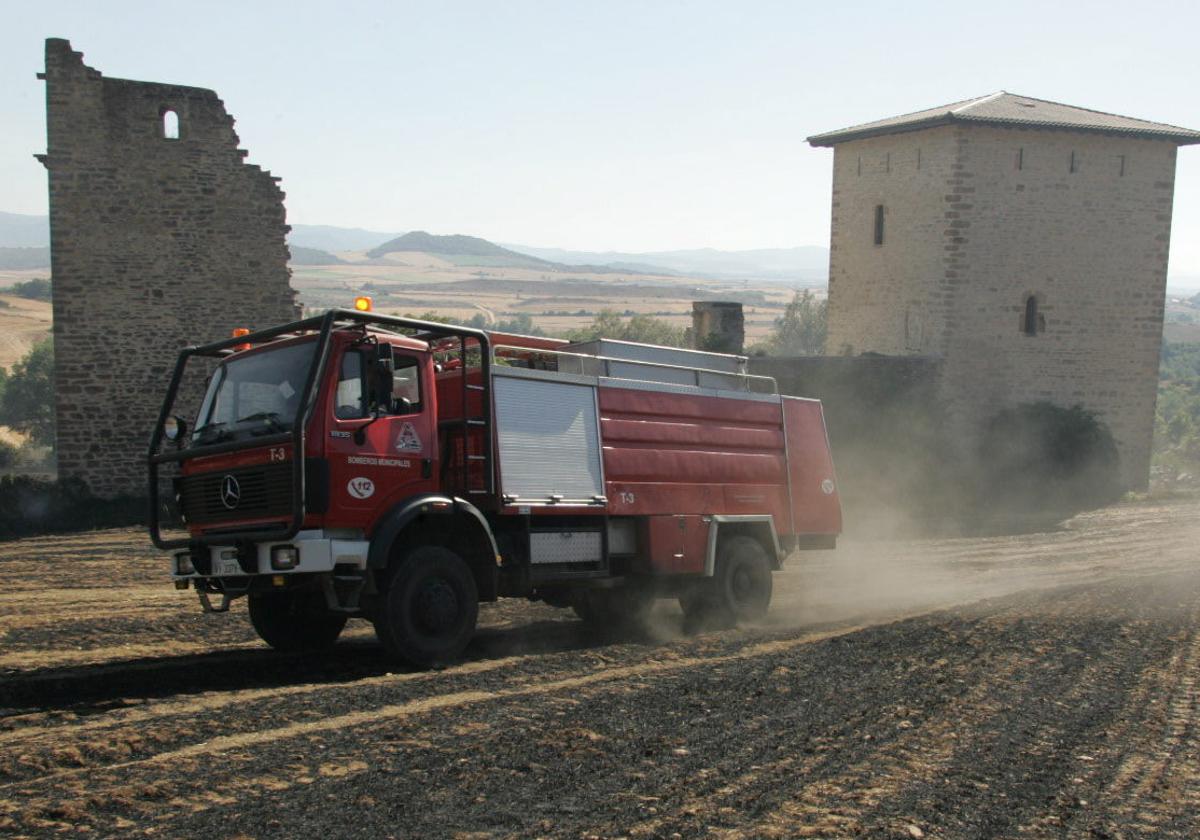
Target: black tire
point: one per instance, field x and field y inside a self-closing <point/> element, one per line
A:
<point x="739" y="592"/>
<point x="289" y="622"/>
<point x="622" y="608"/>
<point x="430" y="608"/>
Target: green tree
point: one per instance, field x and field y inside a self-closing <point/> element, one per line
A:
<point x="641" y="328"/>
<point x="800" y="331"/>
<point x="27" y="402"/>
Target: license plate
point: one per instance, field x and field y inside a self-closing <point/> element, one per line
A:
<point x="228" y="567"/>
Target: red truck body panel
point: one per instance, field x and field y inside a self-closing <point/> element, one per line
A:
<point x="671" y="456"/>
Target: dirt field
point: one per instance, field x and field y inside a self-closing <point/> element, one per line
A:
<point x="23" y="323"/>
<point x="1045" y="685"/>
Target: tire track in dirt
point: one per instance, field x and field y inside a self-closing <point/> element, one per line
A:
<point x="1159" y="773"/>
<point x="530" y="688"/>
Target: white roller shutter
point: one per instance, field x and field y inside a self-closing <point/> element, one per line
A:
<point x="548" y="440"/>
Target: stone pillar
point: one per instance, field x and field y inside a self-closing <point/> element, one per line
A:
<point x="718" y="326"/>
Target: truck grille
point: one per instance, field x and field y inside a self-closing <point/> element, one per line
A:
<point x="263" y="490"/>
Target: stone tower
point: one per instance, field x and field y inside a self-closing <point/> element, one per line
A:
<point x="1022" y="242"/>
<point x="160" y="236"/>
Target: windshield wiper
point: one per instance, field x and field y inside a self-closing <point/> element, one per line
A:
<point x="211" y="433"/>
<point x="271" y="418"/>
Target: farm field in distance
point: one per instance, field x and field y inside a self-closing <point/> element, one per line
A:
<point x="1038" y="685"/>
<point x="415" y="282"/>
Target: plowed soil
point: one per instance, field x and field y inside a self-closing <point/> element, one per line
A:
<point x="1043" y="685"/>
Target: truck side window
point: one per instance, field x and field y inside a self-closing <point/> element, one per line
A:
<point x="407" y="385"/>
<point x="351" y="402"/>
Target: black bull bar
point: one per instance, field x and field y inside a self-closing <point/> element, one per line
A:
<point x="326" y="324"/>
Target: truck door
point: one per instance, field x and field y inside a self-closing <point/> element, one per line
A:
<point x="374" y="463"/>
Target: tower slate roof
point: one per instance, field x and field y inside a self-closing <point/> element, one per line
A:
<point x="1010" y="109"/>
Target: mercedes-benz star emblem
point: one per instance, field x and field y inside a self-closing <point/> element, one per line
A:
<point x="231" y="492"/>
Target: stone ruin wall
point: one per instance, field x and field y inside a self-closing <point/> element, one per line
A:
<point x="156" y="243"/>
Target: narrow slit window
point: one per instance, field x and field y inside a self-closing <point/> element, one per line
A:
<point x="1120" y="166"/>
<point x="878" y="224"/>
<point x="1020" y="158"/>
<point x="918" y="157"/>
<point x="1074" y="167"/>
<point x="170" y="125"/>
<point x="1029" y="324"/>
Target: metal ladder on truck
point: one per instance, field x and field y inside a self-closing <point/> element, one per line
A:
<point x="475" y="466"/>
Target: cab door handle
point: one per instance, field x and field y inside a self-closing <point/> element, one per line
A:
<point x="426" y="467"/>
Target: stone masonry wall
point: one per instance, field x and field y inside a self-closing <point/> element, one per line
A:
<point x="156" y="243"/>
<point x="1079" y="221"/>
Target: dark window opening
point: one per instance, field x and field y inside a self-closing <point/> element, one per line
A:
<point x="1074" y="163"/>
<point x="918" y="157"/>
<point x="1121" y="160"/>
<point x="1032" y="320"/>
<point x="1021" y="158"/>
<point x="878" y="224"/>
<point x="170" y="125"/>
<point x="354" y="391"/>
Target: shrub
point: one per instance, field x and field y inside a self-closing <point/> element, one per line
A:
<point x="27" y="401"/>
<point x="38" y="288"/>
<point x="37" y="506"/>
<point x="8" y="454"/>
<point x="1043" y="457"/>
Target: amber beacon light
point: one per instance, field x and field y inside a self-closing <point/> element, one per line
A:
<point x="362" y="304"/>
<point x="238" y="332"/>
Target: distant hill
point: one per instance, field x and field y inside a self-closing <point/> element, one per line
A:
<point x="458" y="246"/>
<point x="802" y="263"/>
<point x="20" y="259"/>
<point x="330" y="238"/>
<point x="18" y="230"/>
<point x="312" y="256"/>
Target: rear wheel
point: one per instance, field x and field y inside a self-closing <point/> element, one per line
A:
<point x="430" y="608"/>
<point x="739" y="592"/>
<point x="289" y="622"/>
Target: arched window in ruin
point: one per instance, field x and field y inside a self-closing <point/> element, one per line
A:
<point x="170" y="124"/>
<point x="1031" y="321"/>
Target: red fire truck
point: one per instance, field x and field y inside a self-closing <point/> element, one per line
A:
<point x="360" y="465"/>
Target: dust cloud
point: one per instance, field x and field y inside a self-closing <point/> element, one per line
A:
<point x="868" y="578"/>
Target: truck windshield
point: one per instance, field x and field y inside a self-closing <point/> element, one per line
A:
<point x="256" y="394"/>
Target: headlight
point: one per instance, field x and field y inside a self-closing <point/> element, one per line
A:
<point x="183" y="564"/>
<point x="285" y="557"/>
<point x="174" y="429"/>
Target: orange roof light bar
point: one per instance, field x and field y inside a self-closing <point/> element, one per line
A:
<point x="238" y="332"/>
<point x="362" y="303"/>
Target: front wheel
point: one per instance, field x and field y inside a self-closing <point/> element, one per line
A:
<point x="430" y="609"/>
<point x="289" y="622"/>
<point x="739" y="592"/>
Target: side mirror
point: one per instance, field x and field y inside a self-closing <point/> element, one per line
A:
<point x="174" y="429"/>
<point x="385" y="355"/>
<point x="383" y="377"/>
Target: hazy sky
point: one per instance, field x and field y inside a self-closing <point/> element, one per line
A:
<point x="598" y="125"/>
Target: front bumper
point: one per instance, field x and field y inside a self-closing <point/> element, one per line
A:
<point x="318" y="552"/>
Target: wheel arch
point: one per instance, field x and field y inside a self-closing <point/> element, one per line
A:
<point x="436" y="519"/>
<point x="760" y="527"/>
